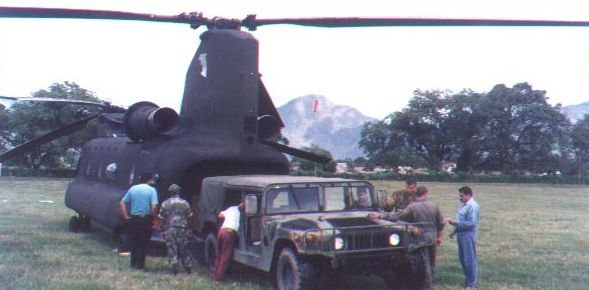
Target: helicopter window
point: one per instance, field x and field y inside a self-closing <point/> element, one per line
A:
<point x="202" y="60"/>
<point x="132" y="175"/>
<point x="111" y="171"/>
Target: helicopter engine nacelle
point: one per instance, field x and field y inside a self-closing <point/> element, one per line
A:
<point x="144" y="120"/>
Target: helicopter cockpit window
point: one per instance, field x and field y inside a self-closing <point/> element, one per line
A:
<point x="111" y="171"/>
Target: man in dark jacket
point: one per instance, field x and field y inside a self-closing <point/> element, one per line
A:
<point x="421" y="211"/>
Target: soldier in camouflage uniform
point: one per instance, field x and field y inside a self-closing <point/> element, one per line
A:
<point x="402" y="198"/>
<point x="174" y="213"/>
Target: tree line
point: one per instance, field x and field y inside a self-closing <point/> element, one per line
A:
<point x="508" y="130"/>
<point x="24" y="121"/>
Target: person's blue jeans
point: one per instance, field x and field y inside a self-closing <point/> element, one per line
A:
<point x="467" y="254"/>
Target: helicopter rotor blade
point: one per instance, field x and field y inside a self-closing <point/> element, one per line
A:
<point x="297" y="152"/>
<point x="34" y="12"/>
<point x="106" y="107"/>
<point x="63" y="131"/>
<point x="196" y="19"/>
<point x="334" y="22"/>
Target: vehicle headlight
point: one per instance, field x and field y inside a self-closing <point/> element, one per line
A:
<point x="394" y="239"/>
<point x="338" y="243"/>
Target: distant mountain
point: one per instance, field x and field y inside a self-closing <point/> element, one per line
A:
<point x="335" y="128"/>
<point x="576" y="112"/>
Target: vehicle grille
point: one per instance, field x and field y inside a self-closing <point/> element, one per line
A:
<point x="360" y="239"/>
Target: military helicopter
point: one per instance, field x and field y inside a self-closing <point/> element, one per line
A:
<point x="227" y="125"/>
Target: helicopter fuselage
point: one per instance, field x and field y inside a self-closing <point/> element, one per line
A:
<point x="217" y="134"/>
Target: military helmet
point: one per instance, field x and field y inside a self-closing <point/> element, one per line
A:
<point x="174" y="188"/>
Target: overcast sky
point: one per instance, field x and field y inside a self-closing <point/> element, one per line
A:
<point x="372" y="69"/>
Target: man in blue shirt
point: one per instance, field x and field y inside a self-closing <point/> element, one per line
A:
<point x="465" y="229"/>
<point x="142" y="199"/>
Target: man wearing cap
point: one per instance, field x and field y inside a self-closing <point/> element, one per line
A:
<point x="175" y="213"/>
<point x="142" y="200"/>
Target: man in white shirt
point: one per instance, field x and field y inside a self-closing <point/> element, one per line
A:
<point x="227" y="238"/>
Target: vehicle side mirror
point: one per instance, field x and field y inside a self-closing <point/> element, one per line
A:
<point x="251" y="204"/>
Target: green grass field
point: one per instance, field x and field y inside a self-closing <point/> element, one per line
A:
<point x="531" y="237"/>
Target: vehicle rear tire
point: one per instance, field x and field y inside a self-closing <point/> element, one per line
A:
<point x="211" y="250"/>
<point x="421" y="272"/>
<point x="293" y="274"/>
<point x="74" y="225"/>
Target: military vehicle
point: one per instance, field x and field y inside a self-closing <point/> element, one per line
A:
<point x="309" y="230"/>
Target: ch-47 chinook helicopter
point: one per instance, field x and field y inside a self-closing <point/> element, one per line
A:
<point x="227" y="124"/>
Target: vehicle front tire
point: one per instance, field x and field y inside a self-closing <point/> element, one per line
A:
<point x="211" y="250"/>
<point x="421" y="272"/>
<point x="292" y="273"/>
<point x="391" y="278"/>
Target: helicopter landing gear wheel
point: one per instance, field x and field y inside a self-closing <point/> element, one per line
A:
<point x="84" y="223"/>
<point x="74" y="225"/>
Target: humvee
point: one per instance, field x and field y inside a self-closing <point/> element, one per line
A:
<point x="308" y="230"/>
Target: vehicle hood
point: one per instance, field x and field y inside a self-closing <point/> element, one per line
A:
<point x="330" y="220"/>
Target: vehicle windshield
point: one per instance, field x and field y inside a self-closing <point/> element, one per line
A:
<point x="338" y="197"/>
<point x="348" y="197"/>
<point x="299" y="199"/>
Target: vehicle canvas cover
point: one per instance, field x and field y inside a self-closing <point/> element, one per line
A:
<point x="212" y="187"/>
